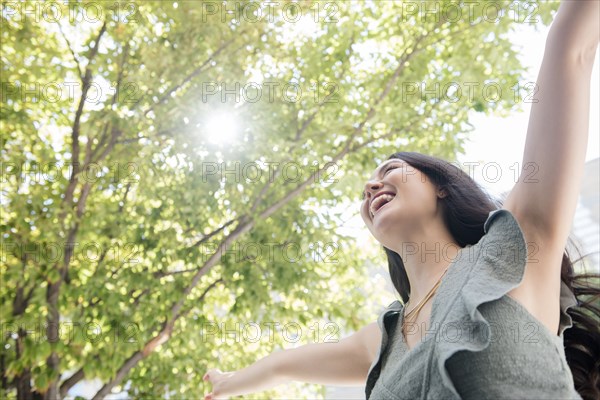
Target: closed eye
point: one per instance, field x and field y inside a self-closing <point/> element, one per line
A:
<point x="390" y="167"/>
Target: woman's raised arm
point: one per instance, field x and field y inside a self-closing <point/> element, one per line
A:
<point x="545" y="197"/>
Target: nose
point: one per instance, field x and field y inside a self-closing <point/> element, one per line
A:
<point x="371" y="186"/>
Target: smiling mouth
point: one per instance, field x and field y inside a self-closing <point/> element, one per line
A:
<point x="379" y="202"/>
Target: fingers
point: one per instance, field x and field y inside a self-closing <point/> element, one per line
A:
<point x="207" y="376"/>
<point x="211" y="373"/>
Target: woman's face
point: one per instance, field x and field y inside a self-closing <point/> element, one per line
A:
<point x="398" y="199"/>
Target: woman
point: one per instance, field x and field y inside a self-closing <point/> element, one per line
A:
<point x="493" y="311"/>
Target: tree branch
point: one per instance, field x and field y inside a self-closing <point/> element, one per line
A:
<point x="86" y="84"/>
<point x="216" y="231"/>
<point x="162" y="337"/>
<point x="75" y="58"/>
<point x="53" y="288"/>
<point x="189" y="77"/>
<point x="70" y="382"/>
<point x="299" y="132"/>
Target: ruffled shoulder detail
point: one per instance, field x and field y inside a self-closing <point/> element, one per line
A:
<point x="567" y="300"/>
<point x="394" y="307"/>
<point x="375" y="369"/>
<point x="495" y="265"/>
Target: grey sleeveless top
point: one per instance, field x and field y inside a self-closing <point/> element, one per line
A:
<point x="481" y="343"/>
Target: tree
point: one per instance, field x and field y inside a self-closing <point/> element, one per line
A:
<point x="130" y="232"/>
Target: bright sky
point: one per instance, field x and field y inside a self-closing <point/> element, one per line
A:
<point x="502" y="140"/>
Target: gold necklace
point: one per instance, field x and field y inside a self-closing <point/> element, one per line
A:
<point x="416" y="310"/>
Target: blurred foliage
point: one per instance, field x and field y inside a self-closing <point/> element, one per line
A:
<point x="155" y="184"/>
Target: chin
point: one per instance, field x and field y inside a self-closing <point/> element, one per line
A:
<point x="383" y="229"/>
<point x="387" y="227"/>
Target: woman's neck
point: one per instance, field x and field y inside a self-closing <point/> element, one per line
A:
<point x="426" y="257"/>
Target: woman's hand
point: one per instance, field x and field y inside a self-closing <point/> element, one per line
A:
<point x="218" y="381"/>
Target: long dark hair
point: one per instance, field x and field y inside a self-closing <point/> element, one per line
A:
<point x="465" y="208"/>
